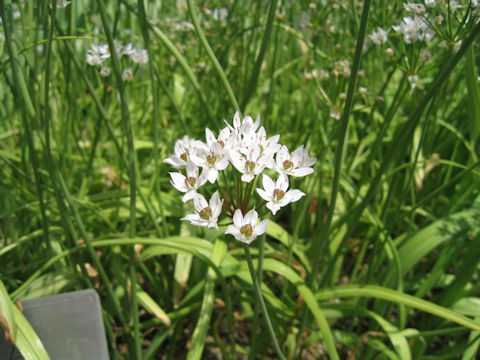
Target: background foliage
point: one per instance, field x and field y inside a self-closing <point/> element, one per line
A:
<point x="385" y="245"/>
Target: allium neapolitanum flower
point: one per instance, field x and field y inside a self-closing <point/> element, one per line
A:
<point x="246" y="229"/>
<point x="206" y="214"/>
<point x="276" y="193"/>
<point x="247" y="147"/>
<point x="97" y="54"/>
<point x="190" y="183"/>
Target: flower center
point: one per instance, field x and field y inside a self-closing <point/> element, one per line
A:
<point x="246" y="230"/>
<point x="190" y="181"/>
<point x="222" y="144"/>
<point x="211" y="160"/>
<point x="287" y="164"/>
<point x="250" y="165"/>
<point x="206" y="213"/>
<point x="278" y="194"/>
<point x="184" y="156"/>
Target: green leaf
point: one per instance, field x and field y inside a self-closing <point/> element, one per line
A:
<point x="473" y="92"/>
<point x="380" y="292"/>
<point x="412" y="248"/>
<point x="28" y="343"/>
<point x="6" y="315"/>
<point x="295" y="279"/>
<point x="18" y="329"/>
<point x="468" y="306"/>
<point x="152" y="307"/>
<point x="203" y="324"/>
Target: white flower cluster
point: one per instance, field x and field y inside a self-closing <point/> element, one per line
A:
<point x="97" y="54"/>
<point x="63" y="3"/>
<point x="246" y="146"/>
<point x="414" y="29"/>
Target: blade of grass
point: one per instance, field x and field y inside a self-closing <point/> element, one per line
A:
<point x="380" y="292"/>
<point x="211" y="55"/>
<point x="203" y="323"/>
<point x="132" y="166"/>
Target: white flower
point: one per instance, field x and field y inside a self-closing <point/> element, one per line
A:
<point x="379" y="36"/>
<point x="97" y="54"/>
<point x="105" y="71"/>
<point x="139" y="55"/>
<point x="127" y="74"/>
<point x="124" y="49"/>
<point x="415" y="8"/>
<point x="220" y="14"/>
<point x="414" y="81"/>
<point x="212" y="157"/>
<point x="276" y="193"/>
<point x="206" y="214"/>
<point x="430" y="3"/>
<point x="62" y="3"/>
<point x="246" y="229"/>
<point x="414" y="29"/>
<point x="190" y="183"/>
<point x="250" y="164"/>
<point x="184" y="147"/>
<point x="268" y="147"/>
<point x="297" y="164"/>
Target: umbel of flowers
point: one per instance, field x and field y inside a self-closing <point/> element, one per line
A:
<point x="247" y="148"/>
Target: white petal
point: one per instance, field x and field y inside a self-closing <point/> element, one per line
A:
<point x="238" y="218"/>
<point x="175" y="162"/>
<point x="268" y="184"/>
<point x="232" y="230"/>
<point x="192" y="169"/>
<point x="209" y="136"/>
<point x="282" y="182"/>
<point x="199" y="202"/>
<point x="293" y="195"/>
<point x="189" y="195"/>
<point x="222" y="163"/>
<point x="195" y="220"/>
<point x="301" y="172"/>
<point x="251" y="217"/>
<point x="274" y="207"/>
<point x="261" y="228"/>
<point x="237" y="160"/>
<point x="264" y="195"/>
<point x="297" y="156"/>
<point x="178" y="181"/>
<point x="202" y="179"/>
<point x="216" y="205"/>
<point x="212" y="175"/>
<point x="247" y="177"/>
<point x="236" y="120"/>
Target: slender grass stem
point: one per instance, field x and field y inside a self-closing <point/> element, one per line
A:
<point x="252" y="83"/>
<point x="127" y="128"/>
<point x="324" y="238"/>
<point x="211" y="55"/>
<point x="341" y="139"/>
<point x="259" y="298"/>
<point x="25" y="103"/>
<point x="181" y="60"/>
<point x="403" y="137"/>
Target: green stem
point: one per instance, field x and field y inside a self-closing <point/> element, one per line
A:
<point x="339" y="154"/>
<point x="263" y="48"/>
<point x="400" y="141"/>
<point x="262" y="302"/>
<point x="181" y="60"/>
<point x="27" y="109"/>
<point x="342" y="137"/>
<point x="211" y="55"/>
<point x="127" y="128"/>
